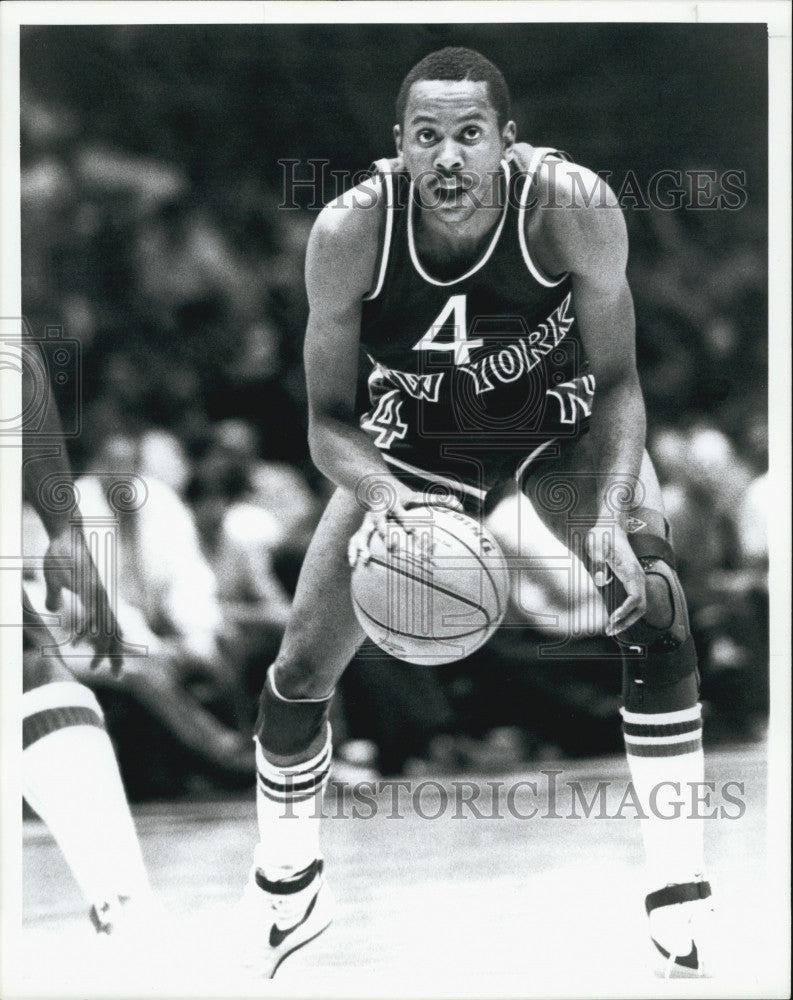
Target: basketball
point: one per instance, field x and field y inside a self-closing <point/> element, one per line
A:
<point x="435" y="593"/>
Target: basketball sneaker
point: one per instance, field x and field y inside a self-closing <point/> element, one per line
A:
<point x="107" y="915"/>
<point x="681" y="928"/>
<point x="135" y="943"/>
<point x="282" y="916"/>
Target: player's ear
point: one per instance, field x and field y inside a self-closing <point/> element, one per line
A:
<point x="508" y="134"/>
<point x="398" y="139"/>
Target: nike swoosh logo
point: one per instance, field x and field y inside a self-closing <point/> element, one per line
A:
<point x="277" y="936"/>
<point x="689" y="961"/>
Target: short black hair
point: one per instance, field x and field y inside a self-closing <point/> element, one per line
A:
<point x="458" y="64"/>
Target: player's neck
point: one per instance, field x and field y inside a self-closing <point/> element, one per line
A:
<point x="439" y="240"/>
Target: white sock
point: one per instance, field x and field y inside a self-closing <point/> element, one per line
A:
<point x="665" y="758"/>
<point x="70" y="777"/>
<point x="288" y="808"/>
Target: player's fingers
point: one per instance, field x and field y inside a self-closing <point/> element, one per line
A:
<point x="378" y="525"/>
<point x="352" y="550"/>
<point x="635" y="603"/>
<point x="359" y="545"/>
<point x="596" y="551"/>
<point x="115" y="652"/>
<point x="54" y="584"/>
<point x="357" y="548"/>
<point x="599" y="568"/>
<point x="399" y="513"/>
<point x="629" y="612"/>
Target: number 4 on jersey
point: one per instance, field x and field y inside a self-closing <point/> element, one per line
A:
<point x="453" y="312"/>
<point x="386" y="420"/>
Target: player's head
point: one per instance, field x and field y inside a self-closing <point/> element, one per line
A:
<point x="454" y="130"/>
<point x="458" y="64"/>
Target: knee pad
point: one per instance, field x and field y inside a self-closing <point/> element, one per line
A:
<point x="664" y="625"/>
<point x="661" y="682"/>
<point x="664" y="677"/>
<point x="293" y="729"/>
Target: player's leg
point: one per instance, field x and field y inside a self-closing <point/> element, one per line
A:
<point x="70" y="777"/>
<point x="662" y="719"/>
<point x="293" y="740"/>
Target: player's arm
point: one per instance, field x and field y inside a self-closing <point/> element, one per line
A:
<point x="589" y="240"/>
<point x="340" y="259"/>
<point x="68" y="563"/>
<point x="340" y="262"/>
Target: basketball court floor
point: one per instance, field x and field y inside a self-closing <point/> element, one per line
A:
<point x="431" y="899"/>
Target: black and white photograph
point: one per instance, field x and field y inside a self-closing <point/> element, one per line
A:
<point x="395" y="443"/>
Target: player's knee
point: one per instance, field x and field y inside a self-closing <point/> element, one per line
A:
<point x="660" y="672"/>
<point x="300" y="676"/>
<point x="660" y="681"/>
<point x="288" y="729"/>
<point x="664" y="625"/>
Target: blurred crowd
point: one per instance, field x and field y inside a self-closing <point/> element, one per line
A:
<point x="189" y="309"/>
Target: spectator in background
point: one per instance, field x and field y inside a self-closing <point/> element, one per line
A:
<point x="164" y="580"/>
<point x="277" y="487"/>
<point x="167" y="606"/>
<point x="703" y="481"/>
<point x="751" y="524"/>
<point x="162" y="458"/>
<point x="241" y="539"/>
<point x="261" y="385"/>
<point x="714" y="503"/>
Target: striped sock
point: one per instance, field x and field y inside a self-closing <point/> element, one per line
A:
<point x="288" y="808"/>
<point x="665" y="759"/>
<point x="70" y="777"/>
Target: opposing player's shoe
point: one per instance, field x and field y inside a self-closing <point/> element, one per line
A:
<point x="681" y="928"/>
<point x="283" y="916"/>
<point x="108" y="915"/>
<point x="135" y="943"/>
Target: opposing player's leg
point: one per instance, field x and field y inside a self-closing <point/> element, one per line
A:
<point x="662" y="720"/>
<point x="286" y="896"/>
<point x="70" y="777"/>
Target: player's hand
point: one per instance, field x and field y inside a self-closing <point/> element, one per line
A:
<point x="68" y="565"/>
<point x="377" y="522"/>
<point x="610" y="555"/>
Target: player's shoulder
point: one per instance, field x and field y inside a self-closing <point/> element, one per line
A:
<point x="353" y="220"/>
<point x="561" y="182"/>
<point x="344" y="244"/>
<point x="578" y="212"/>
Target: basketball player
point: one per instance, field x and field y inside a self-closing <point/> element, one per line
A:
<point x="489" y="295"/>
<point x="69" y="771"/>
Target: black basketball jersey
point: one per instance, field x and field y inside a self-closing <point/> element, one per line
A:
<point x="474" y="374"/>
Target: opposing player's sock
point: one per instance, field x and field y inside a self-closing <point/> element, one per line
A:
<point x="70" y="777"/>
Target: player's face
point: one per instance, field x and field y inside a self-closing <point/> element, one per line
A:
<point x="452" y="146"/>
